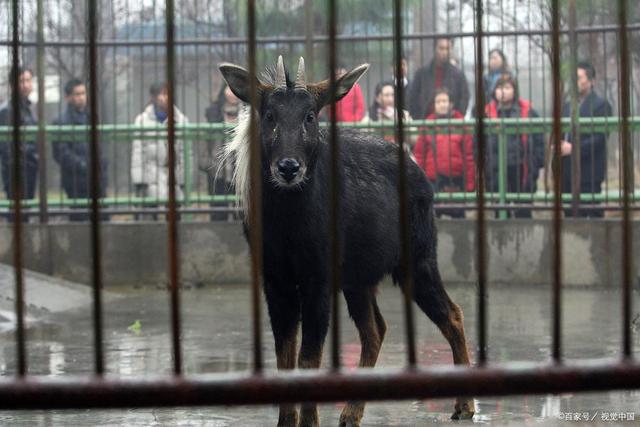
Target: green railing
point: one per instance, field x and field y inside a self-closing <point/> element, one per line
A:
<point x="194" y="132"/>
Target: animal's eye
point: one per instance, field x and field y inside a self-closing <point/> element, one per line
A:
<point x="269" y="116"/>
<point x="310" y="117"/>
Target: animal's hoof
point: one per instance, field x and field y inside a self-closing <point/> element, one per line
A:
<point x="349" y="423"/>
<point x="464" y="411"/>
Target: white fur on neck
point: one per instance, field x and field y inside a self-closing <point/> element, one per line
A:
<point x="236" y="152"/>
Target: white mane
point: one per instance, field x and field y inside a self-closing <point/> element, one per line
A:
<point x="236" y="153"/>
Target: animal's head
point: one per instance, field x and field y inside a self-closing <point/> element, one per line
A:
<point x="288" y="119"/>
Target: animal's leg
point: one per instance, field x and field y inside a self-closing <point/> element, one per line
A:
<point x="432" y="298"/>
<point x="371" y="328"/>
<point x="284" y="312"/>
<point x="316" y="309"/>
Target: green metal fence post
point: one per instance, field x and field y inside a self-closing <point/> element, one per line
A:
<point x="188" y="178"/>
<point x="502" y="170"/>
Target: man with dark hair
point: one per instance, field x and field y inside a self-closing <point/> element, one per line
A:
<point x="593" y="145"/>
<point x="72" y="150"/>
<point x="440" y="73"/>
<point x="28" y="147"/>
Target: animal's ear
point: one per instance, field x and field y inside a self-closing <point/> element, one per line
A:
<point x="343" y="85"/>
<point x="238" y="80"/>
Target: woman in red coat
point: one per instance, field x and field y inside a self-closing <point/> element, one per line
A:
<point x="446" y="157"/>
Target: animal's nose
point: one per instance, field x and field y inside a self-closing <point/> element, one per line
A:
<point x="288" y="168"/>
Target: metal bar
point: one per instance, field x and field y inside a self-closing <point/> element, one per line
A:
<point x="575" y="109"/>
<point x="96" y="252"/>
<point x="171" y="217"/>
<point x="627" y="170"/>
<point x="335" y="196"/>
<point x="42" y="151"/>
<point x="255" y="208"/>
<point x="557" y="173"/>
<point x="480" y="200"/>
<point x="316" y="386"/>
<point x="405" y="231"/>
<point x="502" y="171"/>
<point x="492" y="126"/>
<point x="320" y="38"/>
<point x="308" y="42"/>
<point x="16" y="183"/>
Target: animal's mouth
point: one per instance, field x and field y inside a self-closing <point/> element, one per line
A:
<point x="288" y="181"/>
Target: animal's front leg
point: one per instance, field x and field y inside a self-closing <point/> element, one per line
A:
<point x="316" y="309"/>
<point x="284" y="312"/>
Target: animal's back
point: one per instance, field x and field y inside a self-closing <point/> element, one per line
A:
<point x="370" y="207"/>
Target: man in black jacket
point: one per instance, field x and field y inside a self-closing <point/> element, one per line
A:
<point x="440" y="73"/>
<point x="72" y="151"/>
<point x="593" y="145"/>
<point x="28" y="148"/>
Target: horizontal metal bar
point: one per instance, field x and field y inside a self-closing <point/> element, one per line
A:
<point x="315" y="386"/>
<point x="439" y="206"/>
<point x="609" y="196"/>
<point x="202" y="130"/>
<point x="317" y="39"/>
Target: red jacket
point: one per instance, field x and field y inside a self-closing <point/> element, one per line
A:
<point x="451" y="154"/>
<point x="351" y="107"/>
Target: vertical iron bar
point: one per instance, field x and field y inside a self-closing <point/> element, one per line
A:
<point x="405" y="236"/>
<point x="575" y="110"/>
<point x="627" y="168"/>
<point x="557" y="174"/>
<point x="255" y="212"/>
<point x="42" y="148"/>
<point x="335" y="197"/>
<point x="308" y="41"/>
<point x="16" y="183"/>
<point x="95" y="187"/>
<point x="480" y="201"/>
<point x="171" y="217"/>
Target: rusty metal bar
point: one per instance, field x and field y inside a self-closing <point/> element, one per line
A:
<point x="16" y="183"/>
<point x="557" y="174"/>
<point x="576" y="171"/>
<point x="316" y="386"/>
<point x="480" y="200"/>
<point x="321" y="38"/>
<point x="41" y="139"/>
<point x="627" y="171"/>
<point x="405" y="230"/>
<point x="95" y="187"/>
<point x="171" y="217"/>
<point x="335" y="196"/>
<point x="255" y="206"/>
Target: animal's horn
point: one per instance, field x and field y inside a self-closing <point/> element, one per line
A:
<point x="301" y="78"/>
<point x="281" y="80"/>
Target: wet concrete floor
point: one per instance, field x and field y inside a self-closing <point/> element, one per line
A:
<point x="217" y="338"/>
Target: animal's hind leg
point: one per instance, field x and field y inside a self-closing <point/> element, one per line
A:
<point x="431" y="297"/>
<point x="284" y="312"/>
<point x="371" y="328"/>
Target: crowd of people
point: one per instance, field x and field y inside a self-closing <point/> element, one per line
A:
<point x="438" y="90"/>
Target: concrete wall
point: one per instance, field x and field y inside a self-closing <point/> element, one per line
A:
<point x="136" y="253"/>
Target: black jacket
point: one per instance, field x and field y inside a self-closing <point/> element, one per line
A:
<point x="30" y="149"/>
<point x="422" y="87"/>
<point x="72" y="152"/>
<point x="527" y="157"/>
<point x="593" y="147"/>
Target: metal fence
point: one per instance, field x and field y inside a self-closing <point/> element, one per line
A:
<point x="257" y="387"/>
<point x="131" y="52"/>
